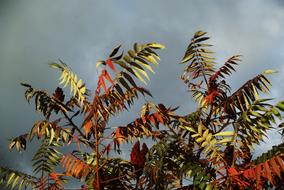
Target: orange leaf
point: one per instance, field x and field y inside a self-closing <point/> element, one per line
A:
<point x="88" y="127"/>
<point x="99" y="84"/>
<point x="258" y="174"/>
<point x="107" y="76"/>
<point x="232" y="171"/>
<point x="280" y="162"/>
<point x="143" y="119"/>
<point x="246" y="174"/>
<point x="53" y="176"/>
<point x="77" y="141"/>
<point x="102" y="82"/>
<point x="152" y="119"/>
<point x="251" y="173"/>
<point x="110" y="64"/>
<point x="275" y="167"/>
<point x="267" y="172"/>
<point x="159" y="118"/>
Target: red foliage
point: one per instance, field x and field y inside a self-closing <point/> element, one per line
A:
<point x="137" y="156"/>
<point x="110" y="64"/>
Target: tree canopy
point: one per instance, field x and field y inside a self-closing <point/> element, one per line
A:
<point x="209" y="148"/>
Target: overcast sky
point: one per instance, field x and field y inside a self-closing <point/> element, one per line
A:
<point x="34" y="33"/>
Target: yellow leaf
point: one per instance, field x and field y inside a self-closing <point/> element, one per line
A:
<point x="204" y="144"/>
<point x="144" y="73"/>
<point x="79" y="83"/>
<point x="156" y="45"/>
<point x="52" y="135"/>
<point x="269" y="71"/>
<point x="139" y="76"/>
<point x="195" y="135"/>
<point x="199" y="33"/>
<point x="200" y="128"/>
<point x="211" y="144"/>
<point x="205" y="133"/>
<point x="188" y="128"/>
<point x="200" y="139"/>
<point x="225" y="133"/>
<point x="151" y="59"/>
<point x="145" y="65"/>
<point x="209" y="136"/>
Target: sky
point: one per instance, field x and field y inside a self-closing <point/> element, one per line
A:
<point x="34" y="33"/>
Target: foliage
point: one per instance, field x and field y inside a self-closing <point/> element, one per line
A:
<point x="210" y="148"/>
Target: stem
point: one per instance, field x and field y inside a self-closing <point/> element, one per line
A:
<point x="205" y="79"/>
<point x="73" y="124"/>
<point x="98" y="185"/>
<point x="234" y="155"/>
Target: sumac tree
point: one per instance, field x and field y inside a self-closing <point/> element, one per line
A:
<point x="210" y="148"/>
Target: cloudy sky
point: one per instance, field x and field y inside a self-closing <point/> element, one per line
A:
<point x="34" y="33"/>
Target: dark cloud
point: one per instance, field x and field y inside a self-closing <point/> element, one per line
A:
<point x="33" y="33"/>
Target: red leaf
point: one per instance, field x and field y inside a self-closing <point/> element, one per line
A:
<point x="144" y="151"/>
<point x="135" y="153"/>
<point x="59" y="94"/>
<point x="137" y="156"/>
<point x="110" y="64"/>
<point x="119" y="137"/>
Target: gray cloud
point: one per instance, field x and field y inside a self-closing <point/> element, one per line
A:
<point x="33" y="33"/>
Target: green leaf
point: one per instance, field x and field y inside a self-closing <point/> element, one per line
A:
<point x="187" y="58"/>
<point x="280" y="105"/>
<point x="15" y="181"/>
<point x="10" y="178"/>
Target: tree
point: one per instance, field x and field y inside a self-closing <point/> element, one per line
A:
<point x="211" y="146"/>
